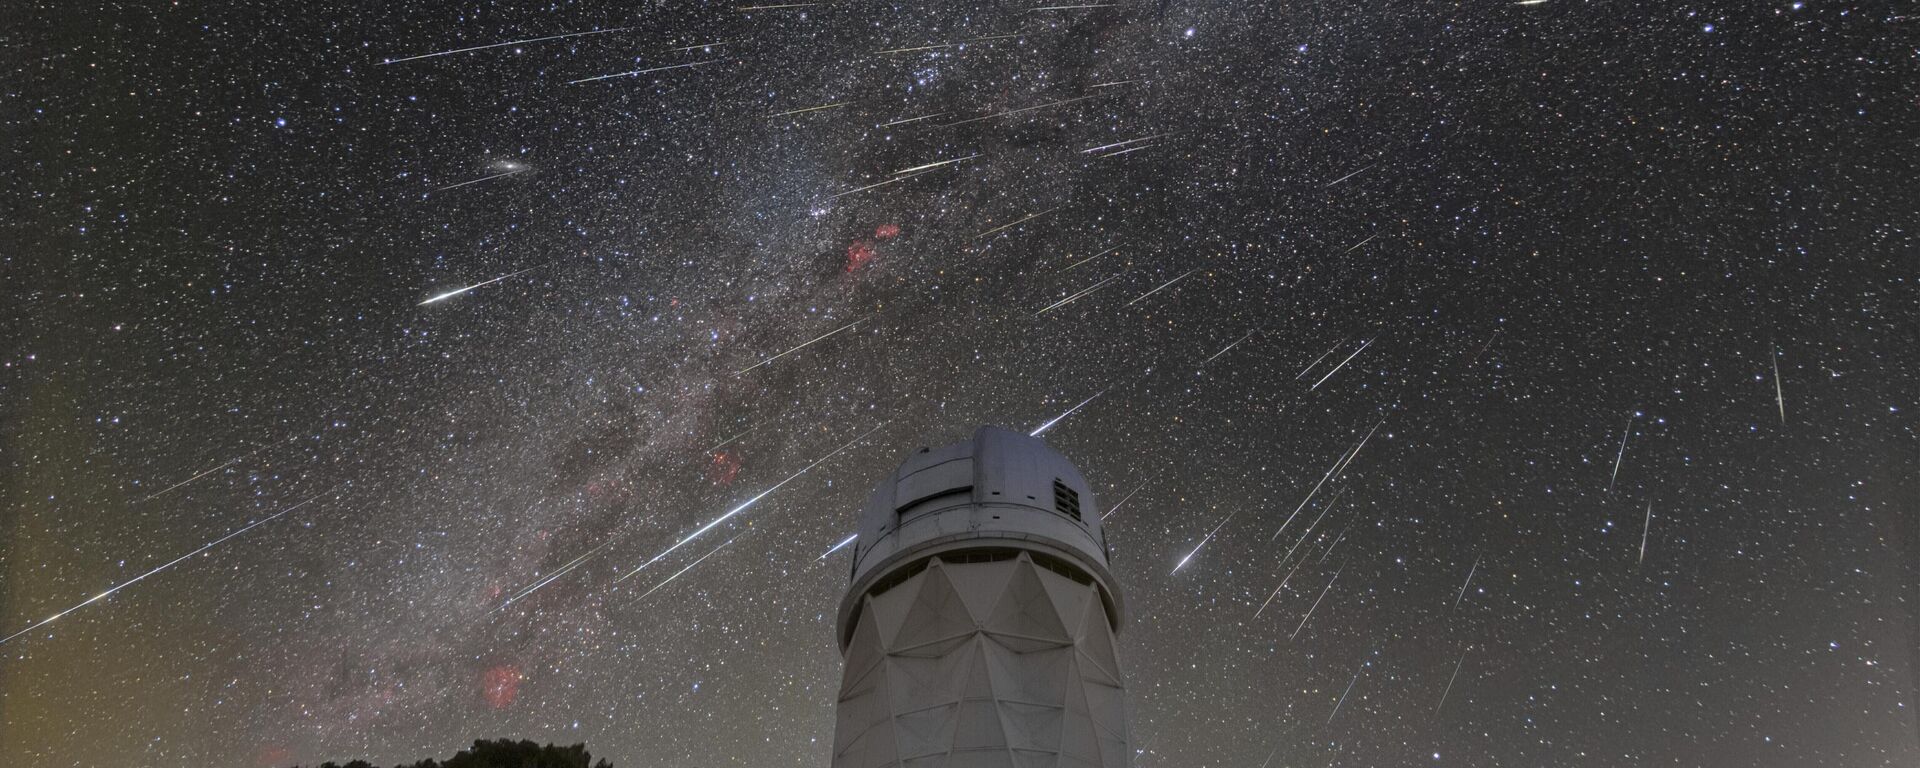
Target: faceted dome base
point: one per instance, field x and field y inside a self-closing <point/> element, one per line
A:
<point x="1001" y="664"/>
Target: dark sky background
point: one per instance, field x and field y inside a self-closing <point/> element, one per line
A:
<point x="1624" y="293"/>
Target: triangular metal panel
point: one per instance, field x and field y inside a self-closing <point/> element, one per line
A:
<point x="1025" y="610"/>
<point x="980" y="585"/>
<point x="936" y="614"/>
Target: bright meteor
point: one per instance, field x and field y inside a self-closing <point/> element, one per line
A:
<point x="458" y="291"/>
<point x="748" y="503"/>
<point x="169" y="564"/>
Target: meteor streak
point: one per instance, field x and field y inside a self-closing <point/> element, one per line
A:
<point x="1283" y="584"/>
<point x="1077" y="296"/>
<point x="835" y="105"/>
<point x="929" y="166"/>
<point x="1164" y="286"/>
<point x="1091" y="258"/>
<point x="1203" y="542"/>
<point x="893" y="180"/>
<point x="1229" y="348"/>
<point x="1104" y="147"/>
<point x="1039" y="430"/>
<point x="1338" y="465"/>
<point x="458" y="291"/>
<point x="1356" y="246"/>
<point x="481" y="179"/>
<point x="550" y="578"/>
<point x="1470" y="572"/>
<point x="676" y="574"/>
<point x="1456" y="667"/>
<point x="1019" y="111"/>
<point x="798" y="348"/>
<point x="914" y="119"/>
<point x="169" y="564"/>
<point x="1123" y="502"/>
<point x="1779" y="397"/>
<point x="1343" y="364"/>
<point x="1316" y="361"/>
<point x="503" y="45"/>
<point x="1343" y="694"/>
<point x="1622" y="454"/>
<point x="640" y="72"/>
<point x="837" y="547"/>
<point x="1015" y="223"/>
<point x="1125" y="151"/>
<point x="724" y="443"/>
<point x="1316" y="601"/>
<point x="1645" y="526"/>
<point x="1351" y="175"/>
<point x="748" y="503"/>
<point x="938" y="46"/>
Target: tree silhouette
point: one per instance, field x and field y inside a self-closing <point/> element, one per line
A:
<point x="504" y="753"/>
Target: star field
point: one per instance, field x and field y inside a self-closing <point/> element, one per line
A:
<point x="1465" y="383"/>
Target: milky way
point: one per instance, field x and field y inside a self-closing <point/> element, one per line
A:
<point x="497" y="304"/>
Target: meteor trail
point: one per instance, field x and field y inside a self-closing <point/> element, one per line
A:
<point x="837" y="547"/>
<point x="1343" y="694"/>
<point x="1077" y="296"/>
<point x="1356" y="246"/>
<point x="1463" y="585"/>
<point x="481" y="179"/>
<point x="458" y="291"/>
<point x="1018" y="111"/>
<point x="1622" y="454"/>
<point x="1343" y="364"/>
<point x="550" y="578"/>
<point x="676" y="574"/>
<point x="1283" y="585"/>
<point x="1123" y="502"/>
<point x="1118" y="153"/>
<point x="1779" y="397"/>
<point x="1483" y="347"/>
<point x="1037" y="431"/>
<point x="1163" y="286"/>
<point x="1120" y="143"/>
<point x="1091" y="258"/>
<point x="938" y="46"/>
<point x="723" y="443"/>
<point x="1338" y="464"/>
<point x="640" y="72"/>
<point x="1316" y="361"/>
<point x="1229" y="348"/>
<point x="835" y="105"/>
<point x="748" y="503"/>
<point x="169" y="564"/>
<point x="936" y="164"/>
<point x="1316" y="601"/>
<point x="796" y="349"/>
<point x="1203" y="542"/>
<point x="503" y="45"/>
<point x="914" y="119"/>
<point x="1456" y="675"/>
<point x="1645" y="525"/>
<point x="893" y="180"/>
<point x="1351" y="175"/>
<point x="1015" y="223"/>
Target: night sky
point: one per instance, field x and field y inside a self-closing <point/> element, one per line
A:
<point x="1617" y="302"/>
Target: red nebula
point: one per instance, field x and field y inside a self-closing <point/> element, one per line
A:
<point x="272" y="755"/>
<point x="886" y="232"/>
<point x="859" y="254"/>
<point x="724" y="468"/>
<point x="501" y="684"/>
